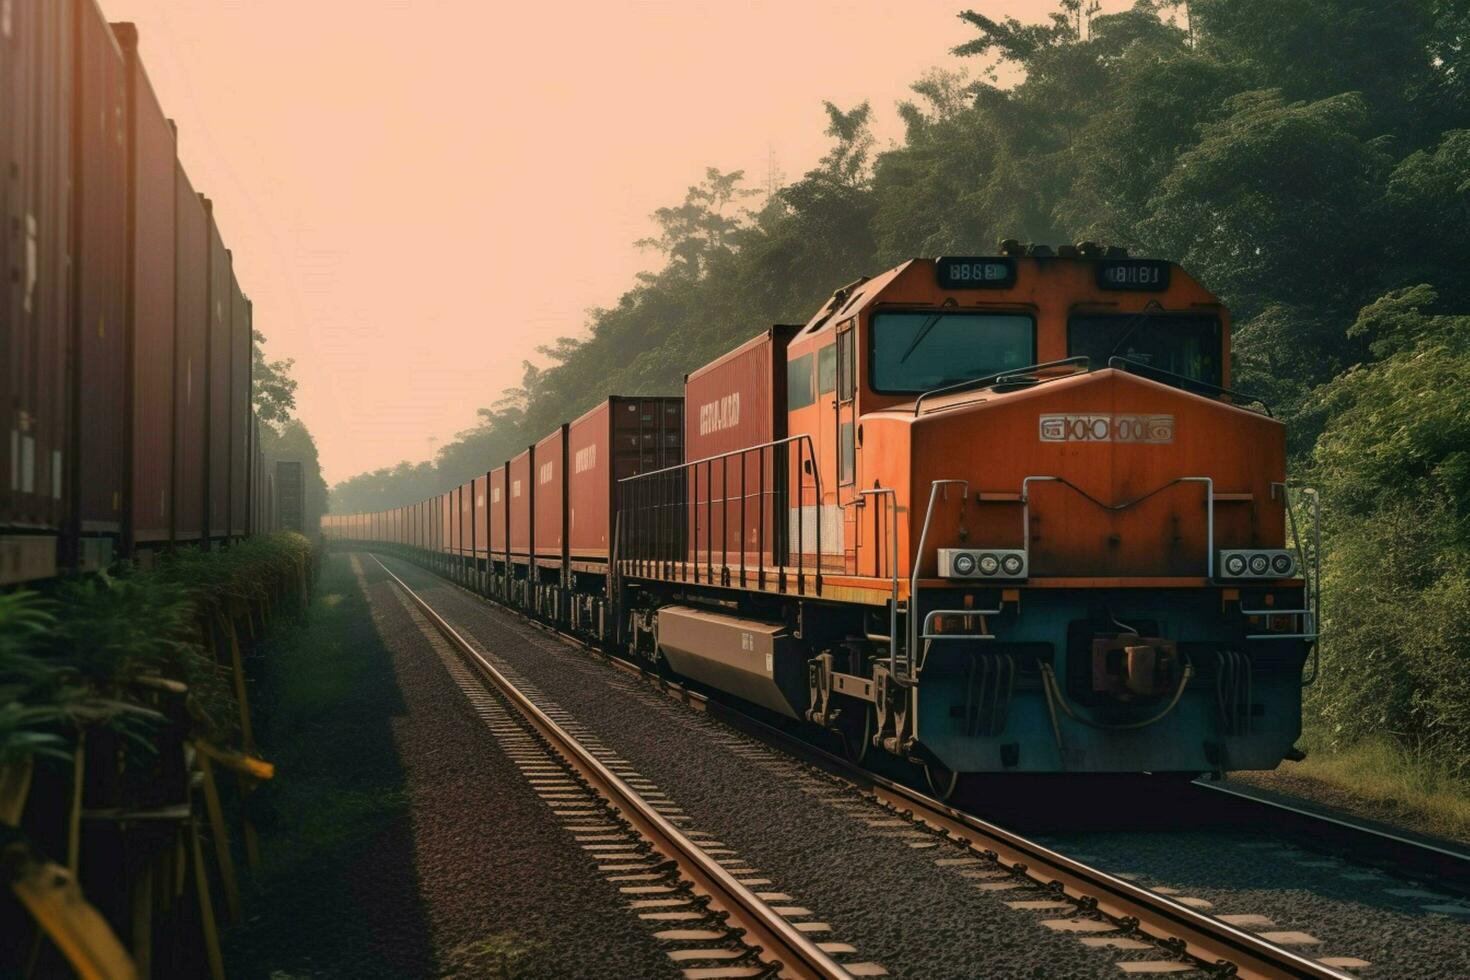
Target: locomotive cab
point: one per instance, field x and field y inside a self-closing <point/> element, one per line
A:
<point x="1086" y="533"/>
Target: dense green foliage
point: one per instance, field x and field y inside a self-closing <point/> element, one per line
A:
<point x="1309" y="160"/>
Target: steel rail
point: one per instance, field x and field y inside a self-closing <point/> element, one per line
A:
<point x="1329" y="833"/>
<point x="780" y="943"/>
<point x="1213" y="943"/>
<point x="1202" y="937"/>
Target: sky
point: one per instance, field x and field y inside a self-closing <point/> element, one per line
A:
<point x="418" y="193"/>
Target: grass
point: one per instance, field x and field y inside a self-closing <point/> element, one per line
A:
<point x="1380" y="779"/>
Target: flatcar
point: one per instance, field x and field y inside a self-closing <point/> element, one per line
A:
<point x="996" y="514"/>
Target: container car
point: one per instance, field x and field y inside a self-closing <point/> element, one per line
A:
<point x="152" y="159"/>
<point x="191" y="361"/>
<point x="99" y="266"/>
<point x="36" y="130"/>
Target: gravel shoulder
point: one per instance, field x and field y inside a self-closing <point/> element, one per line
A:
<point x="409" y="843"/>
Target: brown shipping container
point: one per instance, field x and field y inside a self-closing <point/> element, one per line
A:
<point x="551" y="494"/>
<point x="521" y="503"/>
<point x="35" y="143"/>
<point x="467" y="519"/>
<point x="621" y="437"/>
<point x="99" y="274"/>
<point x="191" y="325"/>
<point x="240" y="348"/>
<point x="738" y="402"/>
<point x="480" y="535"/>
<point x="499" y="505"/>
<point x="217" y="446"/>
<point x="150" y="324"/>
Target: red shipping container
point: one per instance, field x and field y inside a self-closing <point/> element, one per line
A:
<point x="499" y="506"/>
<point x="619" y="438"/>
<point x="733" y="403"/>
<point x="35" y="152"/>
<point x="481" y="534"/>
<point x="550" y="496"/>
<point x="447" y="512"/>
<point x="467" y="518"/>
<point x="99" y="262"/>
<point x="240" y="370"/>
<point x="522" y="502"/>
<point x="221" y="312"/>
<point x="191" y="364"/>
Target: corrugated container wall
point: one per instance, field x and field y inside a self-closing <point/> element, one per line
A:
<point x="220" y="313"/>
<point x="152" y="159"/>
<point x="467" y="518"/>
<point x="551" y="494"/>
<point x="521" y="503"/>
<point x="99" y="274"/>
<point x="499" y="504"/>
<point x="738" y="402"/>
<point x="481" y="535"/>
<point x="619" y="438"/>
<point x="447" y="514"/>
<point x="240" y="347"/>
<point x="191" y="325"/>
<point x="36" y="50"/>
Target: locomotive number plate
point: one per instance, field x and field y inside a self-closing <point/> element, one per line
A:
<point x="1107" y="428"/>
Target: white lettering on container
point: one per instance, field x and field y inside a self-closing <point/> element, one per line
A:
<point x="586" y="459"/>
<point x="547" y="471"/>
<point x="720" y="415"/>
<point x="515" y="488"/>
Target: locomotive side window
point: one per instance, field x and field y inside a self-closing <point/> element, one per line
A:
<point x="917" y="352"/>
<point x="1186" y="344"/>
<point x="846" y="374"/>
<point x="827" y="369"/>
<point x="799" y="393"/>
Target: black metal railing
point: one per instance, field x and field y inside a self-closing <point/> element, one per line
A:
<point x="726" y="520"/>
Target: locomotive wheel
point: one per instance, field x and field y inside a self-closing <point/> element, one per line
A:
<point x="942" y="781"/>
<point x="855" y="726"/>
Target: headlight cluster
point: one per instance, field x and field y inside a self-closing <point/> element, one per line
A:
<point x="1268" y="563"/>
<point x="982" y="563"/>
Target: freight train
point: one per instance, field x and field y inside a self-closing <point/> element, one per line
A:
<point x="997" y="514"/>
<point x="126" y="338"/>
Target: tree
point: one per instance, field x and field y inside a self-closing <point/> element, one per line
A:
<point x="273" y="390"/>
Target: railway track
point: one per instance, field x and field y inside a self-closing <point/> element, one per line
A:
<point x="778" y="943"/>
<point x="1192" y="937"/>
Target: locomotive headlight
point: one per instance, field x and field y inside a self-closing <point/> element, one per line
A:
<point x="1282" y="564"/>
<point x="1260" y="564"/>
<point x="1012" y="564"/>
<point x="989" y="564"/>
<point x="1235" y="565"/>
<point x="964" y="564"/>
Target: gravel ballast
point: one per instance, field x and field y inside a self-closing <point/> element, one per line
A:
<point x="891" y="896"/>
<point x="491" y="883"/>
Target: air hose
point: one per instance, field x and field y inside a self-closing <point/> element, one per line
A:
<point x="1055" y="699"/>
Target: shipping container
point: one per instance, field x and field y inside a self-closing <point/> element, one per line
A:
<point x="152" y="158"/>
<point x="522" y="502"/>
<point x="481" y="522"/>
<point x="217" y="387"/>
<point x="737" y="504"/>
<point x="467" y="519"/>
<point x="550" y="495"/>
<point x="99" y="266"/>
<point x="290" y="486"/>
<point x="499" y="510"/>
<point x="447" y="513"/>
<point x="35" y="140"/>
<point x="621" y="437"/>
<point x="191" y="333"/>
<point x="240" y="368"/>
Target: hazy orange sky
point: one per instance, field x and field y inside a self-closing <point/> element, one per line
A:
<point x="419" y="192"/>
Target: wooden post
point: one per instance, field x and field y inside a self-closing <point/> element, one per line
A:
<point x="206" y="907"/>
<point x="221" y="836"/>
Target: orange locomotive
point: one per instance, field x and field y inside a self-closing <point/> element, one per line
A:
<point x="992" y="514"/>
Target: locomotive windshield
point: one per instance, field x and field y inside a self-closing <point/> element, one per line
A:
<point x="917" y="352"/>
<point x="1186" y="344"/>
